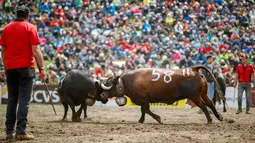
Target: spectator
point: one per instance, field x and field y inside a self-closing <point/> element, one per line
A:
<point x="53" y="78"/>
<point x="190" y="62"/>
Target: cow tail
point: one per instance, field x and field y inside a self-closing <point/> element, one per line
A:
<point x="217" y="86"/>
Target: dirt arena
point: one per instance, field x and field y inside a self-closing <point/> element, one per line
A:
<point x="119" y="125"/>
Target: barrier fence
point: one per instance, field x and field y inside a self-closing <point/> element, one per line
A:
<point x="40" y="95"/>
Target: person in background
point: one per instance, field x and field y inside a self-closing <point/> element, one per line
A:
<point x="244" y="71"/>
<point x="190" y="62"/>
<point x="20" y="44"/>
<point x="210" y="82"/>
<point x="53" y="78"/>
<point x="208" y="64"/>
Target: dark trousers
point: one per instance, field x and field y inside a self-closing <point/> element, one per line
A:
<point x="19" y="84"/>
<point x="241" y="88"/>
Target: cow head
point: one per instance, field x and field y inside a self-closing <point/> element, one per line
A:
<point x="113" y="87"/>
<point x="98" y="82"/>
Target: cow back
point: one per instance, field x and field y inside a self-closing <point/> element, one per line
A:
<point x="78" y="82"/>
<point x="161" y="84"/>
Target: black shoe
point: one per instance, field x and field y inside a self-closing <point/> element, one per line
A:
<point x="21" y="137"/>
<point x="248" y="112"/>
<point x="239" y="111"/>
<point x="10" y="138"/>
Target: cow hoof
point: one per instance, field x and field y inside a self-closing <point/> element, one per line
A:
<point x="209" y="122"/>
<point x="220" y="117"/>
<point x="141" y="121"/>
<point x="159" y="120"/>
<point x="76" y="119"/>
<point x="224" y="110"/>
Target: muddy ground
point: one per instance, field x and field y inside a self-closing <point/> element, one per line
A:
<point x="119" y="125"/>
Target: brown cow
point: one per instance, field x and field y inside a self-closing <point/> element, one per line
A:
<point x="154" y="85"/>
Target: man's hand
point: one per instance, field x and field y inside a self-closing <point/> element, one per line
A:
<point x="234" y="84"/>
<point x="42" y="75"/>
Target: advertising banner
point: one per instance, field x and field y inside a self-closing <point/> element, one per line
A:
<point x="40" y="94"/>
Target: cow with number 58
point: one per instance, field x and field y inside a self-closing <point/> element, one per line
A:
<point x="154" y="85"/>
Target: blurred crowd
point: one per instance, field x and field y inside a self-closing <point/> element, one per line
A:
<point x="92" y="35"/>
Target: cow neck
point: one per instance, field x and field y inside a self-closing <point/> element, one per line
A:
<point x="120" y="87"/>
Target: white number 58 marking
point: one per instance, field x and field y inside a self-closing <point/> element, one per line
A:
<point x="167" y="76"/>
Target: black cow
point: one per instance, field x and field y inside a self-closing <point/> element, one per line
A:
<point x="75" y="89"/>
<point x="223" y="85"/>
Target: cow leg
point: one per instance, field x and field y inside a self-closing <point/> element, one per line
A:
<point x="204" y="109"/>
<point x="141" y="120"/>
<point x="74" y="114"/>
<point x="146" y="108"/>
<point x="65" y="110"/>
<point x="214" y="99"/>
<point x="79" y="112"/>
<point x="217" y="114"/>
<point x="75" y="117"/>
<point x="224" y="106"/>
<point x="210" y="104"/>
<point x="85" y="110"/>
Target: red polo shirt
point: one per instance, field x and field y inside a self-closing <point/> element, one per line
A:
<point x="17" y="38"/>
<point x="244" y="72"/>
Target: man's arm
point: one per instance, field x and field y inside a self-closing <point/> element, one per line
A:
<point x="38" y="57"/>
<point x="252" y="73"/>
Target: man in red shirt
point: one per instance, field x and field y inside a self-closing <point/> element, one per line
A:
<point x="19" y="43"/>
<point x="243" y="75"/>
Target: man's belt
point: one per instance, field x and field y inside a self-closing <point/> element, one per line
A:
<point x="244" y="82"/>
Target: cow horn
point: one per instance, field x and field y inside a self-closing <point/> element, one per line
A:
<point x="105" y="87"/>
<point x="114" y="75"/>
<point x="96" y="80"/>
